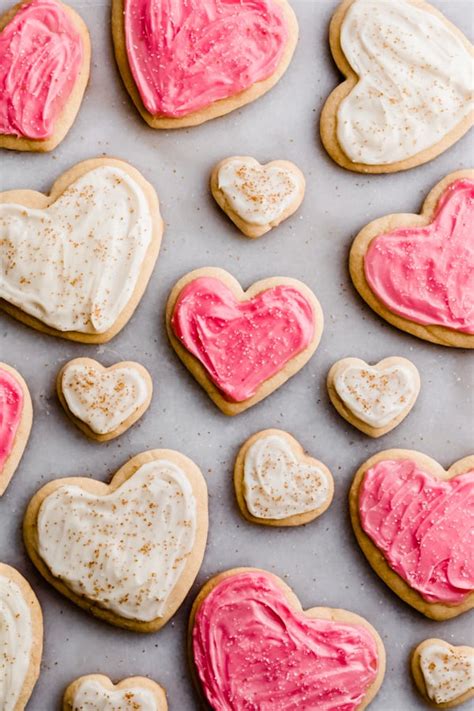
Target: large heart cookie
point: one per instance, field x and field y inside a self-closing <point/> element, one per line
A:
<point x="257" y="197"/>
<point x="21" y="639"/>
<point x="127" y="552"/>
<point x="97" y="693"/>
<point x="373" y="398"/>
<point x="104" y="402"/>
<point x="44" y="69"/>
<point x="76" y="263"/>
<point x="186" y="62"/>
<point x="443" y="674"/>
<point x="241" y="346"/>
<point x="277" y="484"/>
<point x="403" y="61"/>
<point x="251" y="642"/>
<point x="414" y="522"/>
<point x="16" y="414"/>
<point x="417" y="271"/>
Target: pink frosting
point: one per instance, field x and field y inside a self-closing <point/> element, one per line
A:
<point x="242" y="343"/>
<point x="41" y="54"/>
<point x="424" y="527"/>
<point x="252" y="650"/>
<point x="11" y="407"/>
<point x="426" y="274"/>
<point x="186" y="54"/>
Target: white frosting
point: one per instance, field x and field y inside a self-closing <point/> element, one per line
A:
<point x="277" y="484"/>
<point x="416" y="81"/>
<point x="92" y="696"/>
<point x="260" y="195"/>
<point x="103" y="399"/>
<point x="448" y="672"/>
<point x="126" y="550"/>
<point x="376" y="395"/>
<point x="16" y="642"/>
<point x="74" y="265"/>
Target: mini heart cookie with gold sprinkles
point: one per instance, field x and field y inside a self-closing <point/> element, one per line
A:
<point x="96" y="692"/>
<point x="443" y="673"/>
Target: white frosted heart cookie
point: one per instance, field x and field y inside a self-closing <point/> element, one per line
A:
<point x="21" y="639"/>
<point x="277" y="483"/>
<point x="443" y="673"/>
<point x="79" y="259"/>
<point x="96" y="692"/>
<point x="104" y="402"/>
<point x="402" y="60"/>
<point x="257" y="197"/>
<point x="16" y="416"/>
<point x="373" y="398"/>
<point x="127" y="552"/>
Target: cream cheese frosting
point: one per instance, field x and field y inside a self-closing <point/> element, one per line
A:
<point x="93" y="696"/>
<point x="448" y="672"/>
<point x="16" y="641"/>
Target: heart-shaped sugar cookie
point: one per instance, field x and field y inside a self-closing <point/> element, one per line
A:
<point x="257" y="197"/>
<point x="186" y="62"/>
<point x="403" y="61"/>
<point x="443" y="674"/>
<point x="127" y="552"/>
<point x="414" y="523"/>
<point x="44" y="69"/>
<point x="249" y="636"/>
<point x="417" y="271"/>
<point x="373" y="398"/>
<point x="21" y="639"/>
<point x="76" y="264"/>
<point x="104" y="402"/>
<point x="277" y="484"/>
<point x="16" y="415"/>
<point x="97" y="693"/>
<point x="241" y="346"/>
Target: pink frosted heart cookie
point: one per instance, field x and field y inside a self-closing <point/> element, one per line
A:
<point x="186" y="62"/>
<point x="414" y="522"/>
<point x="44" y="69"/>
<point x="417" y="271"/>
<point x="251" y="642"/>
<point x="16" y="415"/>
<point x="241" y="346"/>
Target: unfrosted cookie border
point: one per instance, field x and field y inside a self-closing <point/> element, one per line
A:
<point x="68" y="115"/>
<point x="130" y="682"/>
<point x="215" y="109"/>
<point x="198" y="371"/>
<point x="419" y="678"/>
<point x="23" y="431"/>
<point x="328" y="119"/>
<point x="434" y="610"/>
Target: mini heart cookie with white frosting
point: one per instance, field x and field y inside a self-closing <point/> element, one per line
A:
<point x="402" y="60"/>
<point x="96" y="692"/>
<point x="373" y="398"/>
<point x="257" y="197"/>
<point x="129" y="551"/>
<point x="75" y="263"/>
<point x="277" y="483"/>
<point x="21" y="639"/>
<point x="16" y="416"/>
<point x="104" y="402"/>
<point x="443" y="673"/>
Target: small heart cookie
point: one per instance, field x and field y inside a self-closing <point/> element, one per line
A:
<point x="443" y="674"/>
<point x="184" y="63"/>
<point x="277" y="484"/>
<point x="416" y="271"/>
<point x="79" y="260"/>
<point x="413" y="521"/>
<point x="373" y="398"/>
<point x="403" y="61"/>
<point x="21" y="639"/>
<point x="16" y="417"/>
<point x="241" y="346"/>
<point x="104" y="402"/>
<point x="97" y="693"/>
<point x="44" y="69"/>
<point x="127" y="552"/>
<point x="257" y="197"/>
<point x="249" y="635"/>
